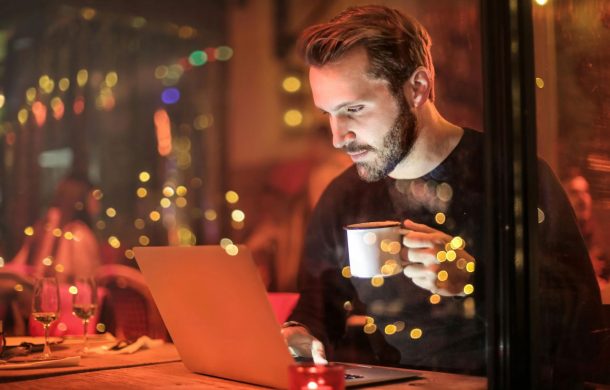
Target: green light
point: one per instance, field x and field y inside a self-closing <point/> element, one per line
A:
<point x="198" y="58"/>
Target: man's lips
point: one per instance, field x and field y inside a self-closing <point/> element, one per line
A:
<point x="358" y="155"/>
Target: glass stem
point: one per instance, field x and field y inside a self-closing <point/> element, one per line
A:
<point x="46" y="352"/>
<point x="85" y="344"/>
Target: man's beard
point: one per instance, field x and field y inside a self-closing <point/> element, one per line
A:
<point x="397" y="144"/>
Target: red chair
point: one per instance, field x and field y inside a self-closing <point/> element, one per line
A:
<point x="129" y="310"/>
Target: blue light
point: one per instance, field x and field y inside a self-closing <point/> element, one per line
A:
<point x="170" y="95"/>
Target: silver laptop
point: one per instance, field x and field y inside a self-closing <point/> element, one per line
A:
<point x="216" y="309"/>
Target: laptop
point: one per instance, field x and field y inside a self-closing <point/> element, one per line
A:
<point x="216" y="310"/>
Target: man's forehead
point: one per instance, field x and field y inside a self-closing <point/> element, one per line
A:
<point x="343" y="81"/>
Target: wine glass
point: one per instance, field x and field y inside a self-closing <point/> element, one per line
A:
<point x="84" y="303"/>
<point x="45" y="308"/>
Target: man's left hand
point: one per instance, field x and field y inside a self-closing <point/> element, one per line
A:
<point x="435" y="261"/>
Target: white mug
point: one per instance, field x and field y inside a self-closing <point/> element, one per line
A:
<point x="374" y="248"/>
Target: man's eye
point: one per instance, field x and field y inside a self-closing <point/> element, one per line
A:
<point x="354" y="109"/>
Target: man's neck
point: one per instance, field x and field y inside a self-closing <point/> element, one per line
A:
<point x="436" y="139"/>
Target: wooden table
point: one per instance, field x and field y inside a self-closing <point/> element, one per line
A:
<point x="161" y="368"/>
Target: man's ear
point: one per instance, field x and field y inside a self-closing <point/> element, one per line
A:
<point x="417" y="88"/>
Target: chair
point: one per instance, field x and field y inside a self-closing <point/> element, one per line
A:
<point x="15" y="302"/>
<point x="129" y="310"/>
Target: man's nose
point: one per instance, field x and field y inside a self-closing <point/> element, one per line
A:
<point x="341" y="133"/>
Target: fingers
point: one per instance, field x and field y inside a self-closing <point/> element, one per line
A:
<point x="317" y="352"/>
<point x="426" y="257"/>
<point x="420" y="227"/>
<point x="302" y="344"/>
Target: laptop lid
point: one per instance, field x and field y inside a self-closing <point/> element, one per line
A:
<point x="216" y="309"/>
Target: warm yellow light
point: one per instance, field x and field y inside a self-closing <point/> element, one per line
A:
<point x="400" y="326"/>
<point x="138" y="22"/>
<point x="101" y="328"/>
<point x="129" y="254"/>
<point x="22" y="116"/>
<point x="346" y="272"/>
<point x="142" y="192"/>
<point x="168" y="191"/>
<point x="56" y="232"/>
<point x="394" y="247"/>
<point x="470" y="266"/>
<point x="111" y="212"/>
<point x="181" y="191"/>
<point x="203" y="121"/>
<point x="18" y="287"/>
<point x="181" y="202"/>
<point x="68" y="235"/>
<point x="101" y="225"/>
<point x="81" y="77"/>
<point x="468" y="289"/>
<point x="98" y="194"/>
<point x="144" y="240"/>
<point x="59" y="268"/>
<point x="2" y="100"/>
<point x="30" y="94"/>
<point x="224" y="242"/>
<point x="154" y="216"/>
<point x="293" y="118"/>
<point x="541" y="216"/>
<point x="111" y="79"/>
<point x="73" y="290"/>
<point x="165" y="203"/>
<point x="144" y="176"/>
<point x="451" y="255"/>
<point x="435" y="298"/>
<point x="231" y="197"/>
<point x="442" y="275"/>
<point x="232" y="249"/>
<point x="87" y="13"/>
<point x="238" y="215"/>
<point x="416" y="333"/>
<point x="291" y="84"/>
<point x="210" y="215"/>
<point x="539" y="82"/>
<point x="139" y="223"/>
<point x="390" y="329"/>
<point x="370" y="328"/>
<point x="444" y="192"/>
<point x="114" y="242"/>
<point x="48" y="261"/>
<point x="64" y="84"/>
<point x="29" y="231"/>
<point x="457" y="243"/>
<point x="440" y="218"/>
<point x="441" y="256"/>
<point x="541" y="2"/>
<point x="161" y="72"/>
<point x="377" y="281"/>
<point x="1" y="261"/>
<point x="347" y="306"/>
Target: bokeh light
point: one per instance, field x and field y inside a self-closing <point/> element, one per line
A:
<point x="170" y="95"/>
<point x="416" y="333"/>
<point x="111" y="212"/>
<point x="293" y="118"/>
<point x="232" y="197"/>
<point x="198" y="58"/>
<point x="291" y="84"/>
<point x="144" y="176"/>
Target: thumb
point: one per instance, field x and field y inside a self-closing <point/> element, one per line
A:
<point x="317" y="352"/>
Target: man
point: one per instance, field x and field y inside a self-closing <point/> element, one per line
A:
<point x="371" y="73"/>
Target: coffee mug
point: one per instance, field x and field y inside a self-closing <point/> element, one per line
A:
<point x="374" y="248"/>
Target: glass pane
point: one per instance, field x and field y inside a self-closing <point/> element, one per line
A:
<point x="197" y="125"/>
<point x="572" y="61"/>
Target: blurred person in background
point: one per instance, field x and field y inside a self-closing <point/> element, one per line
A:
<point x="62" y="243"/>
<point x="577" y="188"/>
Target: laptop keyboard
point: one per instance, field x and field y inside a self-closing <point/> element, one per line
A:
<point x="352" y="376"/>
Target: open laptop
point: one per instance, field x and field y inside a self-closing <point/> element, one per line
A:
<point x="215" y="307"/>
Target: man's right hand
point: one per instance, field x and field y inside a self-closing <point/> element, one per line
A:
<point x="302" y="344"/>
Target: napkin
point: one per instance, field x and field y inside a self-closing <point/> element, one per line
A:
<point x="143" y="342"/>
<point x="62" y="362"/>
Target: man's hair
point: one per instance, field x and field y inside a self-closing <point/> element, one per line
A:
<point x="395" y="44"/>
